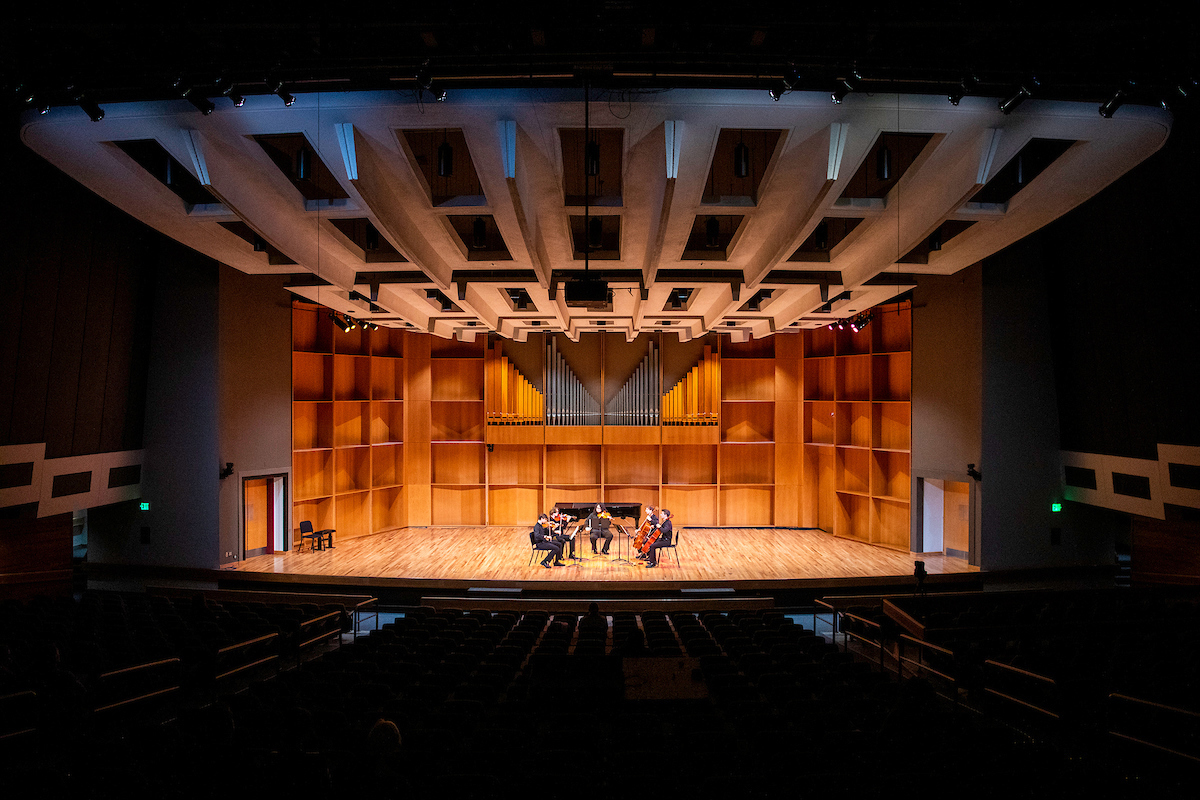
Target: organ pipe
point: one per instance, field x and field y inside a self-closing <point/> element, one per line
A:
<point x="637" y="401"/>
<point x="568" y="401"/>
<point x="511" y="398"/>
<point x="694" y="399"/>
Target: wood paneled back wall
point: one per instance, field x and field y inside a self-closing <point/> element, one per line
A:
<point x="394" y="428"/>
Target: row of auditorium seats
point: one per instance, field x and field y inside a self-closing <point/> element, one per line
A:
<point x="484" y="703"/>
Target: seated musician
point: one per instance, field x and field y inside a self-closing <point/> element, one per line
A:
<point x="540" y="539"/>
<point x="648" y="525"/>
<point x="598" y="526"/>
<point x="665" y="532"/>
<point x="559" y="520"/>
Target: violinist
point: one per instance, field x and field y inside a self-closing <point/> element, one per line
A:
<point x="665" y="532"/>
<point x="559" y="520"/>
<point x="540" y="540"/>
<point x="598" y="524"/>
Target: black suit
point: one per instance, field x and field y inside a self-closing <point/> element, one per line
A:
<point x="665" y="531"/>
<point x="599" y="527"/>
<point x="537" y="537"/>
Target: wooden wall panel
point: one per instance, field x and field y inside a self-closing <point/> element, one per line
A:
<point x="747" y="422"/>
<point x="689" y="464"/>
<point x="747" y="463"/>
<point x="691" y="505"/>
<point x="458" y="463"/>
<point x="515" y="465"/>
<point x="747" y="379"/>
<point x="456" y="379"/>
<point x="458" y="505"/>
<point x="567" y="464"/>
<point x="626" y="465"/>
<point x="514" y="505"/>
<point x="747" y="505"/>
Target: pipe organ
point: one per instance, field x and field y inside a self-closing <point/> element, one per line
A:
<point x="511" y="398"/>
<point x="636" y="402"/>
<point x="568" y="402"/>
<point x="694" y="400"/>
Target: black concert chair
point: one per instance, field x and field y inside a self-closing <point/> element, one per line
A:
<point x="672" y="547"/>
<point x="319" y="540"/>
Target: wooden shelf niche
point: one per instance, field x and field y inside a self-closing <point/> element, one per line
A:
<point x="347" y="425"/>
<point x="858" y="429"/>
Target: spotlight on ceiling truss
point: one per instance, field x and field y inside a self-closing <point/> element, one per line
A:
<point x="95" y="113"/>
<point x="1023" y="93"/>
<point x="227" y="89"/>
<point x="281" y="93"/>
<point x="1110" y="106"/>
<point x="965" y="87"/>
<point x="847" y="85"/>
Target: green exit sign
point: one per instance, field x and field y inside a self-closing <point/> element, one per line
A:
<point x="1056" y="507"/>
<point x="144" y="506"/>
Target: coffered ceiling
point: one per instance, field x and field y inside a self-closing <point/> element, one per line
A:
<point x="602" y="166"/>
<point x="766" y="214"/>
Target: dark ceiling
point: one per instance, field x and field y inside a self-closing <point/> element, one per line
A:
<point x="618" y="44"/>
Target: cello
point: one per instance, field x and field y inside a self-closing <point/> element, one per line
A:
<point x="647" y="532"/>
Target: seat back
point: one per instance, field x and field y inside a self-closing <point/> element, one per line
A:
<point x="306" y="527"/>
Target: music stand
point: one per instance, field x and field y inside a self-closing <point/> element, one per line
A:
<point x="621" y="559"/>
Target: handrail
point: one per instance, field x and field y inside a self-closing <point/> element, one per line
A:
<point x="310" y="622"/>
<point x="138" y="699"/>
<point x="870" y="624"/>
<point x="922" y="645"/>
<point x="1160" y="706"/>
<point x="247" y="643"/>
<point x="137" y="667"/>
<point x="1023" y="672"/>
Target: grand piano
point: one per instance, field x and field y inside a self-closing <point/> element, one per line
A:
<point x="581" y="511"/>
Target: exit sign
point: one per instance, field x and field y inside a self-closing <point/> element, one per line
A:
<point x="144" y="506"/>
<point x="1056" y="507"/>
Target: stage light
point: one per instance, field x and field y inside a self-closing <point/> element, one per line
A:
<point x="371" y="239"/>
<point x="935" y="240"/>
<point x="478" y="234"/>
<point x="225" y="87"/>
<point x="595" y="233"/>
<point x="821" y="235"/>
<point x="848" y="84"/>
<point x="304" y="164"/>
<point x="341" y="323"/>
<point x="775" y="94"/>
<point x="883" y="163"/>
<point x="1109" y="107"/>
<point x="712" y="233"/>
<point x="445" y="158"/>
<point x="741" y="160"/>
<point x="591" y="158"/>
<point x="201" y="103"/>
<point x="95" y="113"/>
<point x="281" y="93"/>
<point x="965" y="87"/>
<point x="1023" y="93"/>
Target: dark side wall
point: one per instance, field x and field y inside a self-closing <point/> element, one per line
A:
<point x="1020" y="435"/>
<point x="255" y="430"/>
<point x="947" y="386"/>
<point x="179" y="474"/>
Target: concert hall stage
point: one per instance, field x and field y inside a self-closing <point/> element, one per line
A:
<point x="485" y="559"/>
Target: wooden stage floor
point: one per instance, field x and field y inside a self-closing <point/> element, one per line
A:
<point x="500" y="555"/>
